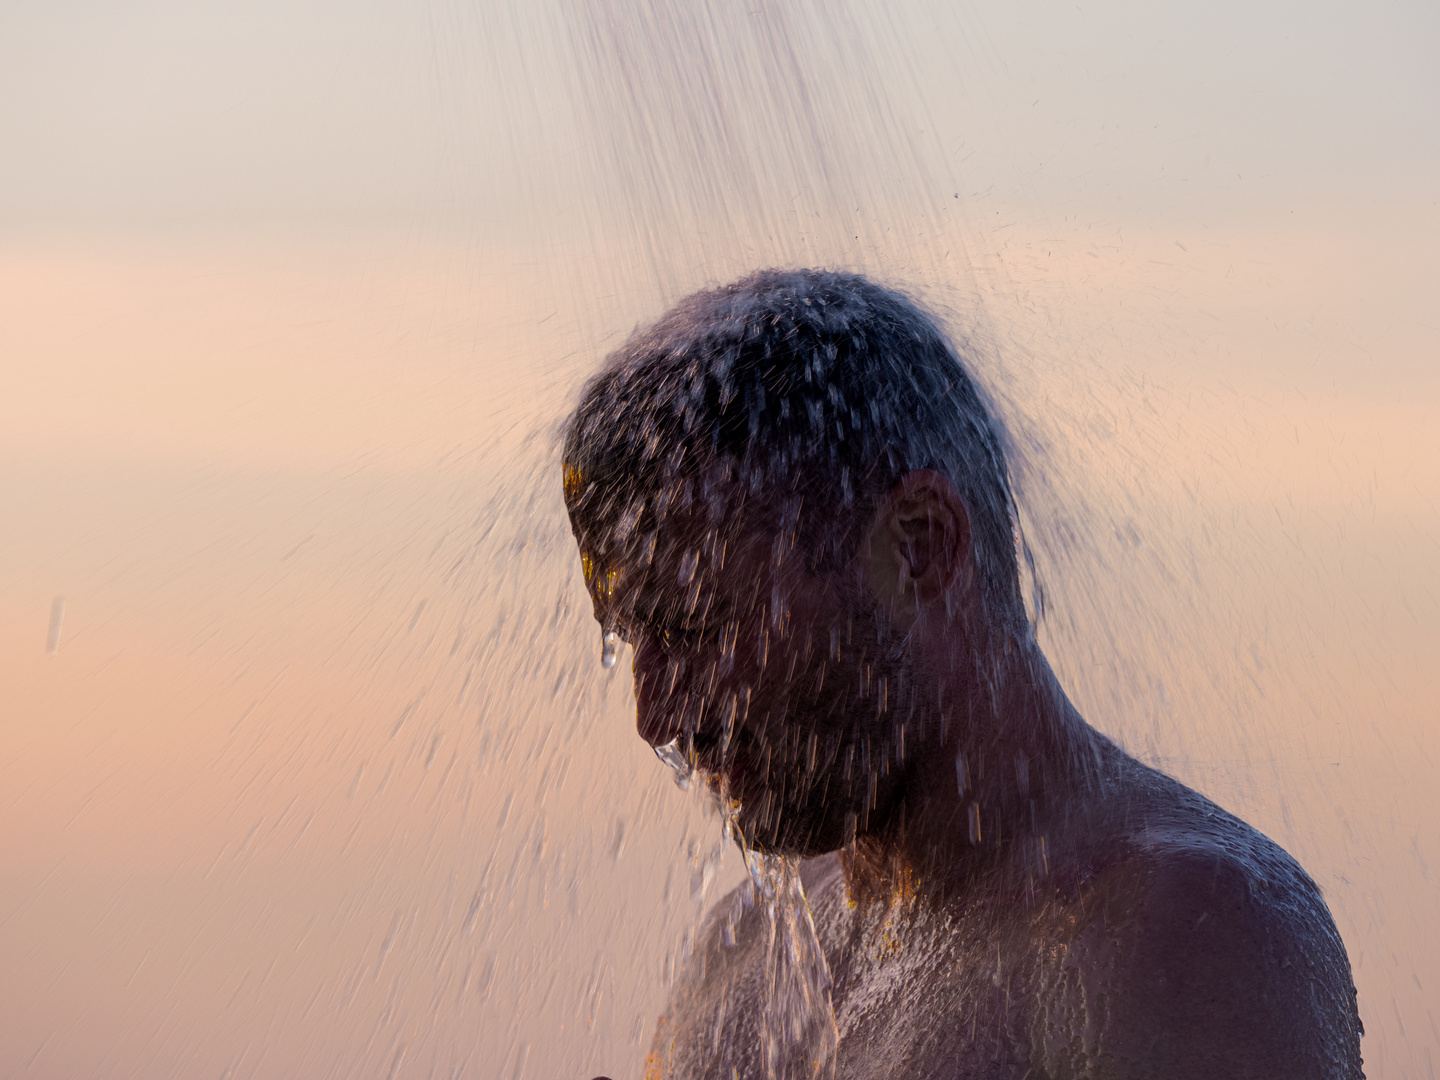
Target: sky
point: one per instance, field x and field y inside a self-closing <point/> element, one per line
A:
<point x="301" y="116"/>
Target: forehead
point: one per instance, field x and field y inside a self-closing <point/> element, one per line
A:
<point x="621" y="505"/>
<point x="681" y="559"/>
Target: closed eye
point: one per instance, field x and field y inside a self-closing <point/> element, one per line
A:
<point x="670" y="637"/>
<point x="676" y="638"/>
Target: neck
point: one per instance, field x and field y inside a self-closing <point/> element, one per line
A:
<point x="978" y="793"/>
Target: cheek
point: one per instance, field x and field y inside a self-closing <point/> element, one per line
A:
<point x="765" y="651"/>
<point x="790" y="682"/>
<point x="781" y="675"/>
<point x="673" y="691"/>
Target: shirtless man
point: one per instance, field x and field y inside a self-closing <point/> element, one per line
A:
<point x="791" y="501"/>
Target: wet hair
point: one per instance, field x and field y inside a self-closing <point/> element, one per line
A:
<point x="805" y="394"/>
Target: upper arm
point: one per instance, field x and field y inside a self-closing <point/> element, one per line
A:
<point x="1222" y="967"/>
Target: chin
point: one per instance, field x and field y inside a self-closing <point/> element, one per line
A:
<point x="796" y="831"/>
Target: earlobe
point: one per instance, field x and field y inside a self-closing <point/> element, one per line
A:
<point x="905" y="582"/>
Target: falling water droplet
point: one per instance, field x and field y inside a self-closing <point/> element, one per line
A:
<point x="609" y="648"/>
<point x="57" y="616"/>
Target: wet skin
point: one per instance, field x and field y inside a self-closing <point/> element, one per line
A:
<point x="1009" y="894"/>
<point x="1168" y="939"/>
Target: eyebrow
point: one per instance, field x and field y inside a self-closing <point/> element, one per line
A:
<point x="712" y="617"/>
<point x="601" y="577"/>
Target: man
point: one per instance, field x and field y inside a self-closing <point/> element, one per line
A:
<point x="791" y="501"/>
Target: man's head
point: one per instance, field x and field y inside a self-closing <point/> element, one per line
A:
<point x="774" y="489"/>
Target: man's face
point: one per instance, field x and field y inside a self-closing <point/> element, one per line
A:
<point x="780" y="684"/>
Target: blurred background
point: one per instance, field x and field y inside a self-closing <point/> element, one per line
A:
<point x="310" y="767"/>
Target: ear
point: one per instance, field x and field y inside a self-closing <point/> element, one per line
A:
<point x="920" y="541"/>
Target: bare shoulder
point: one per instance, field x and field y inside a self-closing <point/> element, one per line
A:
<point x="1207" y="951"/>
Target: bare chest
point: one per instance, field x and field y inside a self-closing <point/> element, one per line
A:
<point x="951" y="1001"/>
<point x="945" y="1000"/>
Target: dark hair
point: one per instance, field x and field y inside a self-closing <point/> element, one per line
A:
<point x="814" y="391"/>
